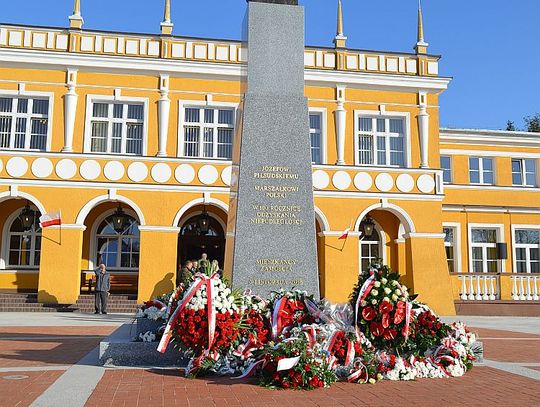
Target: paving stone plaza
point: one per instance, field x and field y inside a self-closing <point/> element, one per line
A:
<point x="51" y="360"/>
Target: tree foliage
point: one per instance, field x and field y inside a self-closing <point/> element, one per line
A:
<point x="533" y="123"/>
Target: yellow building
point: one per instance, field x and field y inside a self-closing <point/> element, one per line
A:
<point x="130" y="137"/>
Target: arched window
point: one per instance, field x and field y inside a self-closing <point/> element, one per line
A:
<point x="24" y="245"/>
<point x="119" y="250"/>
<point x="194" y="227"/>
<point x="370" y="249"/>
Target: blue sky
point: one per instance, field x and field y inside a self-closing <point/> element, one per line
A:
<point x="489" y="47"/>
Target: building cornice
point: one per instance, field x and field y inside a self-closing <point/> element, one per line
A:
<point x="490" y="137"/>
<point x="22" y="58"/>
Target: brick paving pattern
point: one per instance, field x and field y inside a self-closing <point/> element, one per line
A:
<point x="21" y="393"/>
<point x="43" y="346"/>
<point x="36" y="347"/>
<point x="482" y="386"/>
<point x="510" y="346"/>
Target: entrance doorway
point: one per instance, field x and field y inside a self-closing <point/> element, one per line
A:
<point x="201" y="234"/>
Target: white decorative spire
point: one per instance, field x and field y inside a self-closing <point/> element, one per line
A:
<point x="340" y="40"/>
<point x="421" y="45"/>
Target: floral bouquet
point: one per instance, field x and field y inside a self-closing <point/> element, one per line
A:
<point x="154" y="310"/>
<point x="290" y="309"/>
<point x="294" y="364"/>
<point x="382" y="307"/>
<point x="206" y="320"/>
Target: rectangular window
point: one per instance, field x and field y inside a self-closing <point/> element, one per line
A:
<point x="381" y="141"/>
<point x="524" y="172"/>
<point x="446" y="166"/>
<point x="208" y="132"/>
<point x="117" y="128"/>
<point x="24" y="123"/>
<point x="315" y="133"/>
<point x="484" y="250"/>
<point x="481" y="170"/>
<point x="450" y="247"/>
<point x="527" y="247"/>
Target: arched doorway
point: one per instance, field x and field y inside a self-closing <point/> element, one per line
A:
<point x="201" y="232"/>
<point x="112" y="237"/>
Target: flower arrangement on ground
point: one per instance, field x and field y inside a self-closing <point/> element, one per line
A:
<point x="154" y="310"/>
<point x="292" y="340"/>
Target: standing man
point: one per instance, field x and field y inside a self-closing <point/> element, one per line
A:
<point x="203" y="262"/>
<point x="103" y="286"/>
<point x="186" y="274"/>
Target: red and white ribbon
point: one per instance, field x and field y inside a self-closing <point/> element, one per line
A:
<point x="276" y="316"/>
<point x="200" y="279"/>
<point x="364" y="292"/>
<point x="251" y="369"/>
<point x="350" y="353"/>
<point x="408" y="311"/>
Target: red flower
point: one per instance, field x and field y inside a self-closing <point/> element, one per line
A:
<point x="390" y="334"/>
<point x="386" y="320"/>
<point x="369" y="313"/>
<point x="385" y="307"/>
<point x="376" y="328"/>
<point x="401" y="309"/>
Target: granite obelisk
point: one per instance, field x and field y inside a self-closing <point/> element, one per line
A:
<point x="271" y="242"/>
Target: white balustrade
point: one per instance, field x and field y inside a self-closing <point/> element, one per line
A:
<point x="479" y="287"/>
<point x="526" y="287"/>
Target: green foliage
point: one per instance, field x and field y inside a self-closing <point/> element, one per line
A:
<point x="510" y="126"/>
<point x="533" y="123"/>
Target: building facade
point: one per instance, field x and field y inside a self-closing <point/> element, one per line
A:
<point x="130" y="137"/>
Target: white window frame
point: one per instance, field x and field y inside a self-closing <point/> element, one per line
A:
<point x="524" y="172"/>
<point x="37" y="95"/>
<point x="91" y="99"/>
<point x="515" y="246"/>
<point x="381" y="243"/>
<point x="481" y="170"/>
<point x="384" y="115"/>
<point x="4" y="258"/>
<point x="456" y="244"/>
<point x="450" y="169"/>
<point x="499" y="229"/>
<point x="93" y="249"/>
<point x="324" y="144"/>
<point x="183" y="104"/>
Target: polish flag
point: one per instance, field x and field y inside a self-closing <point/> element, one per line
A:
<point x="345" y="234"/>
<point x="50" y="219"/>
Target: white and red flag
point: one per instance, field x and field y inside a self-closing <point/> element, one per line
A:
<point x="345" y="234"/>
<point x="50" y="219"/>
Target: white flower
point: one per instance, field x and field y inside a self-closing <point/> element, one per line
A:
<point x="384" y="280"/>
<point x="374" y="302"/>
<point x="398" y="292"/>
<point x="363" y="303"/>
<point x="386" y="299"/>
<point x="387" y="290"/>
<point x="394" y="283"/>
<point x="394" y="297"/>
<point x="374" y="293"/>
<point x="377" y="284"/>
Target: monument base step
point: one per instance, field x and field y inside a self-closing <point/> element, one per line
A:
<point x="119" y="350"/>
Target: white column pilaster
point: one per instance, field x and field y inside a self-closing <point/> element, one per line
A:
<point x="70" y="110"/>
<point x="423" y="126"/>
<point x="341" y="124"/>
<point x="164" y="108"/>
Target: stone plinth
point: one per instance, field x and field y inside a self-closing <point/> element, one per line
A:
<point x="120" y="350"/>
<point x="271" y="242"/>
